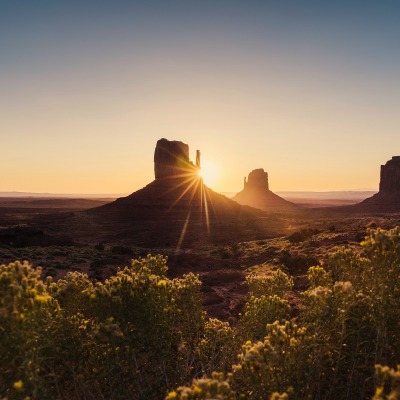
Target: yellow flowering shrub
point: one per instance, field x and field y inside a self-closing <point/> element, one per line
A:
<point x="278" y="363"/>
<point x="388" y="383"/>
<point x="142" y="336"/>
<point x="265" y="305"/>
<point x="215" y="350"/>
<point x="26" y="310"/>
<point x="260" y="311"/>
<point x="214" y="388"/>
<point x="318" y="277"/>
<point x="276" y="284"/>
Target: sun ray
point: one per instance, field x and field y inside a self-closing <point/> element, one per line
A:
<point x="188" y="187"/>
<point x="189" y="177"/>
<point x="206" y="209"/>
<point x="187" y="184"/>
<point x="183" y="233"/>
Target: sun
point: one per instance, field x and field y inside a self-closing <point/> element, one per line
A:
<point x="208" y="172"/>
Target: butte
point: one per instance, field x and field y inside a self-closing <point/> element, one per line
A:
<point x="256" y="193"/>
<point x="177" y="208"/>
<point x="387" y="200"/>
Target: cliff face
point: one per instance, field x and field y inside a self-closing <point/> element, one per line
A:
<point x="388" y="197"/>
<point x="390" y="175"/>
<point x="256" y="194"/>
<point x="171" y="159"/>
<point x="258" y="178"/>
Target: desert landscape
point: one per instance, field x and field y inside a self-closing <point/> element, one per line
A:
<point x="221" y="241"/>
<point x="199" y="200"/>
<point x="233" y="250"/>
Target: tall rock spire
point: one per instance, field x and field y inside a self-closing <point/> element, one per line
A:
<point x="198" y="162"/>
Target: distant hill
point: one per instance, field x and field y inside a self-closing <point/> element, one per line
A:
<point x="326" y="199"/>
<point x="321" y="199"/>
<point x="50" y="203"/>
<point x="60" y="195"/>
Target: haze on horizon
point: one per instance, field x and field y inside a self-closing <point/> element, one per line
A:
<point x="309" y="91"/>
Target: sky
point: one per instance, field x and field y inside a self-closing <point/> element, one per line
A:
<point x="307" y="90"/>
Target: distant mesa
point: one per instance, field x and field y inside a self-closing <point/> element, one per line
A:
<point x="256" y="193"/>
<point x="388" y="197"/>
<point x="258" y="179"/>
<point x="177" y="204"/>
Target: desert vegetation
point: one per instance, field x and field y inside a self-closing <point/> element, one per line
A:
<point x="141" y="335"/>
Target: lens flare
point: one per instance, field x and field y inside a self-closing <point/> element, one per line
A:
<point x="208" y="172"/>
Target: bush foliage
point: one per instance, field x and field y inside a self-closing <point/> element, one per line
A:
<point x="141" y="335"/>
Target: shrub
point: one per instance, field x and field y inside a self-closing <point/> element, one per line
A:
<point x="265" y="305"/>
<point x="348" y="322"/>
<point x="208" y="389"/>
<point x="124" y="250"/>
<point x="276" y="364"/>
<point x="388" y="383"/>
<point x="132" y="336"/>
<point x="139" y="334"/>
<point x="278" y="283"/>
<point x="297" y="263"/>
<point x="215" y="348"/>
<point x="302" y="235"/>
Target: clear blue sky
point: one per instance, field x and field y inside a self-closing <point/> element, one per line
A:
<point x="307" y="90"/>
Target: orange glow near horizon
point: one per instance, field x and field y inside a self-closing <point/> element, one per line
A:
<point x="301" y="92"/>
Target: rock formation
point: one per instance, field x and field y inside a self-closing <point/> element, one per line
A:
<point x="258" y="178"/>
<point x="390" y="175"/>
<point x="256" y="194"/>
<point x="177" y="203"/>
<point x="388" y="197"/>
<point x="171" y="160"/>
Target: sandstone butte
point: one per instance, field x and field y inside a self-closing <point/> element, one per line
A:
<point x="177" y="203"/>
<point x="388" y="197"/>
<point x="256" y="193"/>
<point x="177" y="190"/>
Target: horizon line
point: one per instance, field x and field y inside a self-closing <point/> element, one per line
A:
<point x="116" y="195"/>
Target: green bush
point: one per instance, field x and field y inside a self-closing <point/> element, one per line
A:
<point x="140" y="335"/>
<point x="215" y="348"/>
<point x="349" y="322"/>
<point x="296" y="264"/>
<point x="217" y="387"/>
<point x="278" y="363"/>
<point x="133" y="336"/>
<point x="265" y="305"/>
<point x="388" y="383"/>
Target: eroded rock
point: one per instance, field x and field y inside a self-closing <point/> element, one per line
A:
<point x="171" y="159"/>
<point x="387" y="200"/>
<point x="390" y="175"/>
<point x="258" y="178"/>
<point x="256" y="193"/>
